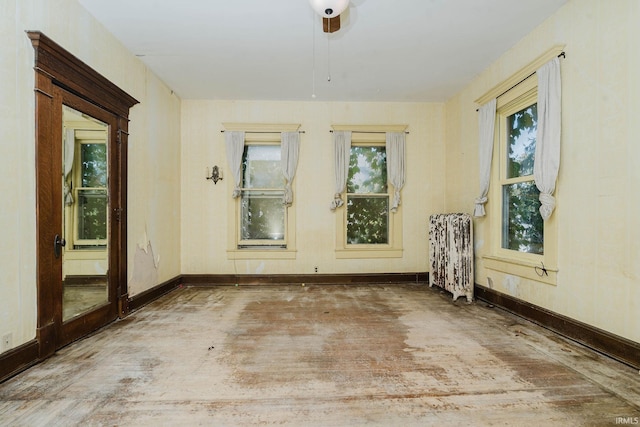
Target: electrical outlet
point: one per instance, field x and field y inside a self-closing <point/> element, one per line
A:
<point x="315" y="269"/>
<point x="7" y="341"/>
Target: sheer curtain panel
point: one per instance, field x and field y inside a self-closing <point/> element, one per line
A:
<point x="235" y="148"/>
<point x="290" y="147"/>
<point x="395" y="146"/>
<point x="342" y="152"/>
<point x="547" y="155"/>
<point x="486" y="125"/>
<point x="69" y="152"/>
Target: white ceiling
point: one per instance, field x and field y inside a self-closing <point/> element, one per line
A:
<point x="401" y="50"/>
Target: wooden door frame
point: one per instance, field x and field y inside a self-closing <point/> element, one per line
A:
<point x="56" y="68"/>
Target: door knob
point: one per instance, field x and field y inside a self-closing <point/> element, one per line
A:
<point x="58" y="242"/>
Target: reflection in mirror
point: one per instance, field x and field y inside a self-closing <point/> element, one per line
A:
<point x="85" y="218"/>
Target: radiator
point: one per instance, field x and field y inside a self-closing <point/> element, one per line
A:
<point x="451" y="254"/>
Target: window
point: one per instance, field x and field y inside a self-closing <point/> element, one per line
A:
<point x="85" y="182"/>
<point x="366" y="226"/>
<point x="521" y="242"/>
<point x="262" y="211"/>
<point x="367" y="196"/>
<point x="522" y="224"/>
<point x="91" y="195"/>
<point x="260" y="224"/>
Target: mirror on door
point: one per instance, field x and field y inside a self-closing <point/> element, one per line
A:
<point x="85" y="217"/>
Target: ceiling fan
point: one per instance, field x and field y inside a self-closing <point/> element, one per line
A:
<point x="330" y="11"/>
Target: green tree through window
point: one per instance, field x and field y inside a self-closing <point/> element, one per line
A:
<point x="523" y="227"/>
<point x="367" y="196"/>
<point x="92" y="195"/>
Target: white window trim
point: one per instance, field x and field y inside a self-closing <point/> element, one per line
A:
<point x="524" y="96"/>
<point x="367" y="135"/>
<point x="269" y="134"/>
<point x="521" y="264"/>
<point x="257" y="244"/>
<point x="84" y="134"/>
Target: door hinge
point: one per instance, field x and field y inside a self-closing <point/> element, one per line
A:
<point x="117" y="213"/>
<point x="120" y="133"/>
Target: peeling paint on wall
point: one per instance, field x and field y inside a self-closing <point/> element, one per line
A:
<point x="490" y="282"/>
<point x="99" y="268"/>
<point x="511" y="285"/>
<point x="145" y="269"/>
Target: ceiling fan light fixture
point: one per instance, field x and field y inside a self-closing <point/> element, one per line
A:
<point x="329" y="8"/>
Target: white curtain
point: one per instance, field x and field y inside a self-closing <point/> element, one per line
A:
<point x="235" y="148"/>
<point x="289" y="148"/>
<point x="342" y="153"/>
<point x="69" y="151"/>
<point x="486" y="125"/>
<point x="395" y="145"/>
<point x="547" y="156"/>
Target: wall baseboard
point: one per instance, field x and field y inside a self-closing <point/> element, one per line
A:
<point x="287" y="279"/>
<point x="614" y="346"/>
<point x="18" y="359"/>
<point x="152" y="294"/>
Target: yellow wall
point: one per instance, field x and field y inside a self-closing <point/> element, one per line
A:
<point x="178" y="220"/>
<point x="598" y="202"/>
<point x="205" y="218"/>
<point x="154" y="152"/>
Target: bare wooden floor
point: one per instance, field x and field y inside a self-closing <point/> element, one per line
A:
<point x="398" y="355"/>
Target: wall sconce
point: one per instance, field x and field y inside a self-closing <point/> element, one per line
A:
<point x="216" y="174"/>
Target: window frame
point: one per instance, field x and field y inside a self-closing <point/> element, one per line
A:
<point x="523" y="101"/>
<point x="381" y="195"/>
<point x="365" y="137"/>
<point x="256" y="134"/>
<point x="522" y="264"/>
<point x="261" y="244"/>
<point x="85" y="133"/>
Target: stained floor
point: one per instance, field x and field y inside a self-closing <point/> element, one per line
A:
<point x="78" y="299"/>
<point x="394" y="355"/>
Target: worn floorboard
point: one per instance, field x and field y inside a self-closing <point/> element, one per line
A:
<point x="394" y="355"/>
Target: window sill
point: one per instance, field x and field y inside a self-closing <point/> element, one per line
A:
<point x="521" y="268"/>
<point x="261" y="254"/>
<point x="85" y="254"/>
<point x="361" y="253"/>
